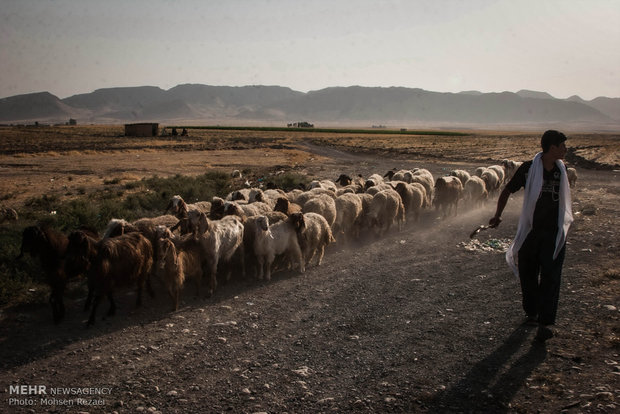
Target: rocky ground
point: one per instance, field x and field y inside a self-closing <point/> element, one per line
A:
<point x="422" y="320"/>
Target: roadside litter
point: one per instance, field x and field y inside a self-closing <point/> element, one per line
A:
<point x="491" y="245"/>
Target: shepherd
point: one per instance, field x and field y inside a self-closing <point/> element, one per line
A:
<point x="536" y="254"/>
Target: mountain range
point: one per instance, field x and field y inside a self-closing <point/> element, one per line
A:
<point x="197" y="104"/>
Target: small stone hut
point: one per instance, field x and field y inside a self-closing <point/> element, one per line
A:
<point x="144" y="129"/>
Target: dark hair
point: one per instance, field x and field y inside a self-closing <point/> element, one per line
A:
<point x="551" y="137"/>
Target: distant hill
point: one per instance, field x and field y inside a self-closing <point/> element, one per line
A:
<point x="607" y="106"/>
<point x="41" y="106"/>
<point x="524" y="93"/>
<point x="394" y="106"/>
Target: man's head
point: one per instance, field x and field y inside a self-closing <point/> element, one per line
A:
<point x="551" y="137"/>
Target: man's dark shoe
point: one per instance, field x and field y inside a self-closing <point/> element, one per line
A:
<point x="531" y="320"/>
<point x="543" y="333"/>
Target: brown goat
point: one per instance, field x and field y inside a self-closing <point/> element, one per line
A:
<point x="177" y="262"/>
<point x="49" y="246"/>
<point x="120" y="261"/>
<point x="81" y="251"/>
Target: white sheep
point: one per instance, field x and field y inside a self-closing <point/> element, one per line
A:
<point x="348" y="216"/>
<point x="374" y="189"/>
<point x="237" y="195"/>
<point x="413" y="198"/>
<point x="571" y="174"/>
<point x="249" y="238"/>
<point x="501" y="173"/>
<point x="271" y="196"/>
<point x="322" y="204"/>
<point x="220" y="240"/>
<point x="305" y="196"/>
<point x="424" y="177"/>
<point x="386" y="207"/>
<point x="324" y="184"/>
<point x="422" y="190"/>
<point x="293" y="194"/>
<point x="400" y="175"/>
<point x="366" y="200"/>
<point x="461" y="175"/>
<point x="272" y="240"/>
<point x="491" y="181"/>
<point x="510" y="167"/>
<point x="349" y="189"/>
<point x="256" y="208"/>
<point x="314" y="235"/>
<point x="475" y="192"/>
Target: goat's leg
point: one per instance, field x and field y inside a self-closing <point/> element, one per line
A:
<point x="139" y="294"/>
<point x="320" y="252"/>
<point x="261" y="263"/>
<point x="213" y="277"/>
<point x="149" y="286"/>
<point x="93" y="312"/>
<point x="58" y="307"/>
<point x="299" y="257"/>
<point x="241" y="251"/>
<point x="268" y="264"/>
<point x="112" y="310"/>
<point x="177" y="289"/>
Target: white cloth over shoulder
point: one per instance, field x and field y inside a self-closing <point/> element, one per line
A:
<point x="533" y="186"/>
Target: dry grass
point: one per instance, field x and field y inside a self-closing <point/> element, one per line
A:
<point x="62" y="160"/>
<point x="479" y="146"/>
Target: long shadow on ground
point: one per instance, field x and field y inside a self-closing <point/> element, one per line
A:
<point x="493" y="382"/>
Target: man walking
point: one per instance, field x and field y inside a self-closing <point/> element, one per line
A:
<point x="537" y="253"/>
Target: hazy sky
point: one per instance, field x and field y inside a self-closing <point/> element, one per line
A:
<point x="564" y="47"/>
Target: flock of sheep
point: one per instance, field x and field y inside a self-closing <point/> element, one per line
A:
<point x="252" y="231"/>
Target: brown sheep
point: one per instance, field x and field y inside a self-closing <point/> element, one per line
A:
<point x="178" y="262"/>
<point x="80" y="254"/>
<point x="448" y="192"/>
<point x="120" y="261"/>
<point x="283" y="205"/>
<point x="49" y="246"/>
<point x="179" y="208"/>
